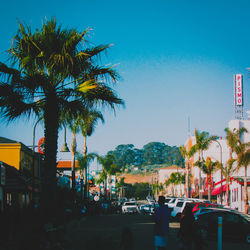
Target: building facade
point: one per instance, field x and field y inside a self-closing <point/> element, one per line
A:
<point x="220" y="151"/>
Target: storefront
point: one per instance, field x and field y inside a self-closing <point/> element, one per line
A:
<point x="15" y="188"/>
<point x="236" y="192"/>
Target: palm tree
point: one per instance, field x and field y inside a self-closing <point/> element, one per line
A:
<point x="227" y="171"/>
<point x="102" y="179"/>
<point x="187" y="154"/>
<point x="208" y="168"/>
<point x="120" y="185"/>
<point x="203" y="141"/>
<point x="109" y="169"/>
<point x="242" y="151"/>
<point x="87" y="125"/>
<point x="167" y="183"/>
<point x="83" y="163"/>
<point x="74" y="128"/>
<point x="53" y="72"/>
<point x="243" y="158"/>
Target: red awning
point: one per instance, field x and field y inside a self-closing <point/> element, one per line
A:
<point x="216" y="191"/>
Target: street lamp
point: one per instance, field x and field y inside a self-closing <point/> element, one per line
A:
<point x="33" y="160"/>
<point x="65" y="146"/>
<point x="221" y="191"/>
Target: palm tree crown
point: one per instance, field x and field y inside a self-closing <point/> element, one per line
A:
<point x="54" y="72"/>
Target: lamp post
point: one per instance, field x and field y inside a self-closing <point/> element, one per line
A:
<point x="65" y="146"/>
<point x="33" y="161"/>
<point x="221" y="191"/>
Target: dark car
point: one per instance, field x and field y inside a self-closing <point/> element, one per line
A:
<point x="235" y="225"/>
<point x="197" y="205"/>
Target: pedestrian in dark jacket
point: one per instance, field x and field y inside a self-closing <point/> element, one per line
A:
<point x="186" y="232"/>
<point x="162" y="215"/>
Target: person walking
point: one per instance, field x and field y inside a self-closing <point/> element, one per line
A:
<point x="186" y="232"/>
<point x="162" y="215"/>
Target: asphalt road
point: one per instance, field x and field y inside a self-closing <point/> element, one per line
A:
<point x="104" y="232"/>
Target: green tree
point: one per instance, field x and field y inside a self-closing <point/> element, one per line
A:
<point x="53" y="72"/>
<point x="203" y="141"/>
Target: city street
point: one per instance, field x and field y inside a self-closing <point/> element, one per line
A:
<point x="104" y="232"/>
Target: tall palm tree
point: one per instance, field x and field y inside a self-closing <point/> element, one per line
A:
<point x="187" y="154"/>
<point x="87" y="124"/>
<point x="53" y="72"/>
<point x="242" y="151"/>
<point x="109" y="169"/>
<point x="203" y="141"/>
<point x="101" y="180"/>
<point x="120" y="185"/>
<point x="75" y="129"/>
<point x="83" y="163"/>
<point x="227" y="171"/>
<point x="208" y="168"/>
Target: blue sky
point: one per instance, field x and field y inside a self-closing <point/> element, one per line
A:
<point x="176" y="60"/>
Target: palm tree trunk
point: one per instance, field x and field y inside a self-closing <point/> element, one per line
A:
<point x="105" y="189"/>
<point x="209" y="188"/>
<point x="73" y="150"/>
<point x="110" y="188"/>
<point x="245" y="188"/>
<point x="200" y="192"/>
<point x="84" y="151"/>
<point x="51" y="117"/>
<point x="187" y="181"/>
<point x="227" y="191"/>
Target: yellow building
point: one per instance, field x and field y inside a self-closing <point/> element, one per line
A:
<point x="22" y="158"/>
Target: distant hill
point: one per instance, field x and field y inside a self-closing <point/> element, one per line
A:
<point x="153" y="154"/>
<point x="139" y="178"/>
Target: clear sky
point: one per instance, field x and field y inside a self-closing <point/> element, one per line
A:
<point x="176" y="59"/>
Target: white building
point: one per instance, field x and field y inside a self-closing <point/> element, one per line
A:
<point x="219" y="151"/>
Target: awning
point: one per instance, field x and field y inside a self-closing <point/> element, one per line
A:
<point x="217" y="190"/>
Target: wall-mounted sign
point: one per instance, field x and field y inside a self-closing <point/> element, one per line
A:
<point x="41" y="145"/>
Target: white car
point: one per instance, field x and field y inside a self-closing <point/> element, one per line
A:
<point x="129" y="208"/>
<point x="179" y="208"/>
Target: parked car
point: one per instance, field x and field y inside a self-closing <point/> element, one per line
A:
<point x="179" y="208"/>
<point x="198" y="205"/>
<point x="129" y="208"/>
<point x="235" y="225"/>
<point x="172" y="203"/>
<point x="148" y="208"/>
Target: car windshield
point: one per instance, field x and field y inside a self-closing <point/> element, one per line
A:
<point x="179" y="204"/>
<point x="129" y="203"/>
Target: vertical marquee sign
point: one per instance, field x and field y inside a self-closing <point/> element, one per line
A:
<point x="238" y="96"/>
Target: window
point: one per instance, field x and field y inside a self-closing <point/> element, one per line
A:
<point x="179" y="204"/>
